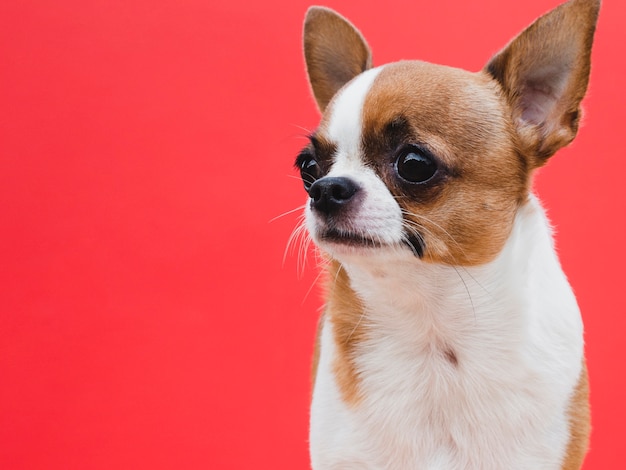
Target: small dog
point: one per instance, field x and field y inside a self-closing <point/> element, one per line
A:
<point x="451" y="338"/>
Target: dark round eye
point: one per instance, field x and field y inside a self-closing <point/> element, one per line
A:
<point x="309" y="171"/>
<point x="415" y="166"/>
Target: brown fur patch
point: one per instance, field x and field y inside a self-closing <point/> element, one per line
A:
<point x="544" y="73"/>
<point x="465" y="215"/>
<point x="451" y="357"/>
<point x="335" y="52"/>
<point x="483" y="131"/>
<point x="316" y="350"/>
<point x="346" y="314"/>
<point x="580" y="425"/>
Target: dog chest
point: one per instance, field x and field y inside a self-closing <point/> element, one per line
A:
<point x="452" y="368"/>
<point x="420" y="410"/>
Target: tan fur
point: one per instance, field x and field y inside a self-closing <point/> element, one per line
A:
<point x="316" y="350"/>
<point x="487" y="131"/>
<point x="330" y="67"/>
<point x="558" y="42"/>
<point x="580" y="425"/>
<point x="458" y="115"/>
<point x="345" y="313"/>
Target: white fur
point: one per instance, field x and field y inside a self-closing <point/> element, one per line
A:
<point x="379" y="217"/>
<point x="345" y="122"/>
<point x="513" y="325"/>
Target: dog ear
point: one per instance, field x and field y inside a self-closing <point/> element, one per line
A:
<point x="544" y="73"/>
<point x="335" y="52"/>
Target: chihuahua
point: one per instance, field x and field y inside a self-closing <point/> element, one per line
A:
<point x="450" y="339"/>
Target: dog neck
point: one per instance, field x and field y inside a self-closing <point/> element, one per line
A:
<point x="443" y="303"/>
<point x="411" y="345"/>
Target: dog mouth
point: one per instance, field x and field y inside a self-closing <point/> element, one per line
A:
<point x="349" y="239"/>
<point x="415" y="243"/>
<point x="355" y="240"/>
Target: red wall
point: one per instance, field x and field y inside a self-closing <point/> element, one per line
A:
<point x="147" y="319"/>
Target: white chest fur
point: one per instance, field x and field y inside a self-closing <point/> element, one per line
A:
<point x="461" y="369"/>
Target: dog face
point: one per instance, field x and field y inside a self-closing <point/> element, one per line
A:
<point x="419" y="160"/>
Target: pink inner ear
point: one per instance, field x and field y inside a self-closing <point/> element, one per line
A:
<point x="542" y="92"/>
<point x="537" y="105"/>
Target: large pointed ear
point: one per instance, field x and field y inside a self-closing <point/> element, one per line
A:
<point x="335" y="52"/>
<point x="544" y="73"/>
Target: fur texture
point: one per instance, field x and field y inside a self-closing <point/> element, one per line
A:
<point x="451" y="338"/>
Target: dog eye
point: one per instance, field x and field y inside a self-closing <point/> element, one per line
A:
<point x="415" y="166"/>
<point x="309" y="171"/>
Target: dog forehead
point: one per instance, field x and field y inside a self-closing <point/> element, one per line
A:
<point x="453" y="109"/>
<point x="343" y="123"/>
<point x="462" y="110"/>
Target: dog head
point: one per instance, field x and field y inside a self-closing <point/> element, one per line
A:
<point x="412" y="159"/>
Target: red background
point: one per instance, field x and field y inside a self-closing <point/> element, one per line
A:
<point x="146" y="317"/>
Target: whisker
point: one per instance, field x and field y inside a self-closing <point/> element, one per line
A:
<point x="295" y="238"/>
<point x="313" y="284"/>
<point x="323" y="263"/>
<point x="356" y="326"/>
<point x="304" y="250"/>
<point x="290" y="246"/>
<point x="299" y="208"/>
<point x="469" y="295"/>
<point x="307" y="131"/>
<point x="414" y="226"/>
<point x="436" y="225"/>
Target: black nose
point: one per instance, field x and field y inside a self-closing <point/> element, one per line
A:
<point x="330" y="194"/>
